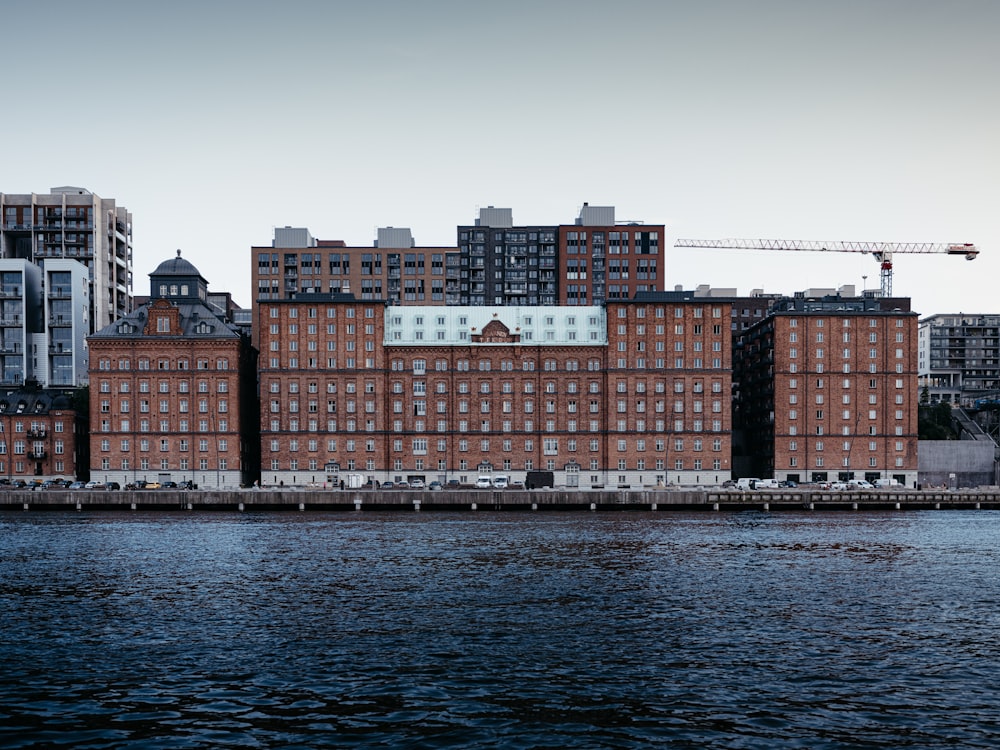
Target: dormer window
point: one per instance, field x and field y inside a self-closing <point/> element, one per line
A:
<point x="126" y="328"/>
<point x="162" y="324"/>
<point x="173" y="290"/>
<point x="203" y="327"/>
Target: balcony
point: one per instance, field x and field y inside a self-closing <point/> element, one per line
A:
<point x="37" y="434"/>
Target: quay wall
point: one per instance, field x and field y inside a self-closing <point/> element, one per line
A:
<point x="498" y="500"/>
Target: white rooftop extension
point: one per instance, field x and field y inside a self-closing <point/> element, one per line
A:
<point x="547" y="325"/>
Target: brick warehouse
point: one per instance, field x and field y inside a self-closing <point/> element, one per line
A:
<point x="828" y="390"/>
<point x="172" y="393"/>
<point x="634" y="393"/>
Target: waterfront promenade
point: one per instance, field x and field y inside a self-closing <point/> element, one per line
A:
<point x="499" y="500"/>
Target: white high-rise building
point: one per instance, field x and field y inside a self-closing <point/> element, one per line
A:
<point x="74" y="223"/>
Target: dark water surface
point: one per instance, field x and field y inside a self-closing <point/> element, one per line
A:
<point x="493" y="630"/>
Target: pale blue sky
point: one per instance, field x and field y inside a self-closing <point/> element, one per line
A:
<point x="214" y="122"/>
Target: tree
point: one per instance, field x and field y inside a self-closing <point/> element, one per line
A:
<point x="935" y="422"/>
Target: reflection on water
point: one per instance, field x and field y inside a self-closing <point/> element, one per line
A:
<point x="747" y="630"/>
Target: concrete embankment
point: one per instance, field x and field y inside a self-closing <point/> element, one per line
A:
<point x="497" y="500"/>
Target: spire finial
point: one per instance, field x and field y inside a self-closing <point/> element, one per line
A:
<point x="178" y="252"/>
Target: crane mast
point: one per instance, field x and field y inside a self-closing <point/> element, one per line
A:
<point x="881" y="251"/>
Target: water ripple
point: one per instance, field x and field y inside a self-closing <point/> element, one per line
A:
<point x="745" y="630"/>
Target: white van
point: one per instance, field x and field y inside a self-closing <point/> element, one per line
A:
<point x="886" y="483"/>
<point x="746" y="483"/>
<point x="484" y="483"/>
<point x="767" y="484"/>
<point x="500" y="482"/>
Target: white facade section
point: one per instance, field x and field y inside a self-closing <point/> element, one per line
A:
<point x="535" y="325"/>
<point x="63" y="360"/>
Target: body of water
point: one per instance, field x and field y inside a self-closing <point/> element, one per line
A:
<point x="500" y="630"/>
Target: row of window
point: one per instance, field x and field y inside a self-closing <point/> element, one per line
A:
<point x="462" y="425"/>
<point x="183" y="425"/>
<point x="847" y="445"/>
<point x="182" y="405"/>
<point x="35" y="428"/>
<point x="183" y="386"/>
<point x="164" y="363"/>
<point x="793" y="337"/>
<point x="873" y="462"/>
<point x="641" y="464"/>
<point x="420" y="446"/>
<point x="183" y="445"/>
<point x="164" y="464"/>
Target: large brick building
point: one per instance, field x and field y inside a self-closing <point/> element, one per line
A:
<point x="172" y="393"/>
<point x="828" y="390"/>
<point x="634" y="393"/>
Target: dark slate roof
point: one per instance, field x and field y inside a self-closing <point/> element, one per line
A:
<point x="198" y="320"/>
<point x="176" y="267"/>
<point x="28" y="401"/>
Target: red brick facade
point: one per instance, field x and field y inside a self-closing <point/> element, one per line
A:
<point x="647" y="402"/>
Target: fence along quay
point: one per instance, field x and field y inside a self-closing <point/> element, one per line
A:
<point x="498" y="500"/>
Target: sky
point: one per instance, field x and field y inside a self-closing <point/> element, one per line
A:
<point x="214" y="122"/>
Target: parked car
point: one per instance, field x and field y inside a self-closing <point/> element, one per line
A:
<point x="435" y="486"/>
<point x="150" y="486"/>
<point x="113" y="486"/>
<point x="453" y="484"/>
<point x="168" y="486"/>
<point x="187" y="484"/>
<point x="94" y="485"/>
<point x="417" y="484"/>
<point x="402" y="484"/>
<point x="484" y="483"/>
<point x="388" y="486"/>
<point x="77" y="485"/>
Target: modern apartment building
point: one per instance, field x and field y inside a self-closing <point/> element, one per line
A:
<point x="44" y="320"/>
<point x="595" y="259"/>
<point x="73" y="223"/>
<point x="172" y="390"/>
<point x="394" y="269"/>
<point x="634" y="393"/>
<point x="828" y="390"/>
<point x="959" y="357"/>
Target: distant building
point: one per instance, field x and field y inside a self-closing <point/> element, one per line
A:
<point x="44" y="319"/>
<point x="172" y="390"/>
<point x="73" y="223"/>
<point x="959" y="357"/>
<point x="43" y="434"/>
<point x="393" y="269"/>
<point x="593" y="260"/>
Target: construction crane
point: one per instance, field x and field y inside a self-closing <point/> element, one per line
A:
<point x="881" y="251"/>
